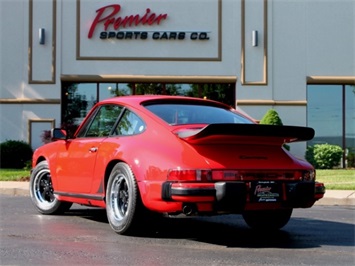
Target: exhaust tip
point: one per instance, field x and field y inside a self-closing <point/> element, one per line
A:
<point x="189" y="209"/>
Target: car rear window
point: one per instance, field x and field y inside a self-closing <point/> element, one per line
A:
<point x="180" y="114"/>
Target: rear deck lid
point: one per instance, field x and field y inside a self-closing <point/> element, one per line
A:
<point x="246" y="146"/>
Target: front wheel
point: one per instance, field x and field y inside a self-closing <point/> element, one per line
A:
<point x="42" y="193"/>
<point x="123" y="204"/>
<point x="267" y="219"/>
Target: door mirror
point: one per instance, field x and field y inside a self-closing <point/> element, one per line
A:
<point x="58" y="133"/>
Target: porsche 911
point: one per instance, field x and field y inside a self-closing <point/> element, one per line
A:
<point x="174" y="155"/>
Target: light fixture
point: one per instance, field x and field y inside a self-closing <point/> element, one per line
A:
<point x="41" y="35"/>
<point x="254" y="38"/>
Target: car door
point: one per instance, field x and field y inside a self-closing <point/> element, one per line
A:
<point x="79" y="160"/>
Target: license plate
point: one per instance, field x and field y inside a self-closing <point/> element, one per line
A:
<point x="265" y="191"/>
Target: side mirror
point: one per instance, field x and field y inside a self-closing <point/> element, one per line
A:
<point x="58" y="133"/>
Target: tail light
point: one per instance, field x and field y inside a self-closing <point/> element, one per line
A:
<point x="231" y="175"/>
<point x="309" y="175"/>
<point x="226" y="175"/>
<point x="189" y="175"/>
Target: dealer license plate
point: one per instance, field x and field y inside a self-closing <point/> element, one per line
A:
<point x="265" y="191"/>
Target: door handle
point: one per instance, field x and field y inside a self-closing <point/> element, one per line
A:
<point x="93" y="149"/>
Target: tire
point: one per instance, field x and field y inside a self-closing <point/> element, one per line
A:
<point x="268" y="220"/>
<point x="42" y="193"/>
<point x="123" y="204"/>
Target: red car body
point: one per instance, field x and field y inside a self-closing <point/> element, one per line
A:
<point x="172" y="154"/>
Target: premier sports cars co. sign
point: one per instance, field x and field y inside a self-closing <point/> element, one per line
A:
<point x="147" y="30"/>
<point x="113" y="24"/>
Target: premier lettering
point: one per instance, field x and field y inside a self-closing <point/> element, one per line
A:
<point x="106" y="16"/>
<point x="260" y="189"/>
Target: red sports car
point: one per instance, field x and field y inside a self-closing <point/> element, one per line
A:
<point x="136" y="155"/>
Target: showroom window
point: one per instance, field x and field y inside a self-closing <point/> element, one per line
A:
<point x="331" y="112"/>
<point x="79" y="98"/>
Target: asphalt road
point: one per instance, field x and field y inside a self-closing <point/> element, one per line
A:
<point x="322" y="235"/>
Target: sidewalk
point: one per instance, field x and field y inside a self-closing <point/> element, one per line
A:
<point x="331" y="197"/>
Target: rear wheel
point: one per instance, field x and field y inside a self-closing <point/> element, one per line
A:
<point x="268" y="219"/>
<point x="123" y="204"/>
<point x="42" y="193"/>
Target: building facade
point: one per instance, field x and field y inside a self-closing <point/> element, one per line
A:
<point x="59" y="57"/>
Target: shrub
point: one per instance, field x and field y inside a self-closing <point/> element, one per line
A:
<point x="351" y="159"/>
<point x="272" y="118"/>
<point x="46" y="136"/>
<point x="15" y="154"/>
<point x="324" y="156"/>
<point x="310" y="155"/>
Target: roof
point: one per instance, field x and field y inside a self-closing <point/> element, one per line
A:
<point x="139" y="99"/>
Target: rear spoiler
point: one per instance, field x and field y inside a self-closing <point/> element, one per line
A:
<point x="286" y="133"/>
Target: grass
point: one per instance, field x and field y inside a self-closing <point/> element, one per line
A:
<point x="337" y="179"/>
<point x="340" y="179"/>
<point x="14" y="175"/>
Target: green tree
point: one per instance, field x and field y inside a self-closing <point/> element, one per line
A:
<point x="272" y="118"/>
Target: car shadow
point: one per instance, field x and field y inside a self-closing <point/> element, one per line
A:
<point x="231" y="231"/>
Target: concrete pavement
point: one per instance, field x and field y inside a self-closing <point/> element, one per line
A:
<point x="331" y="197"/>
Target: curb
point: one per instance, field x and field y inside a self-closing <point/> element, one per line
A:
<point x="15" y="188"/>
<point x="14" y="192"/>
<point x="338" y="197"/>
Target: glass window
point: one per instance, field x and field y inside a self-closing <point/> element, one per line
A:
<point x="178" y="114"/>
<point x="109" y="90"/>
<point x="331" y="112"/>
<point x="350" y="118"/>
<point x="149" y="88"/>
<point x="102" y="124"/>
<point x="224" y="92"/>
<point x="78" y="99"/>
<point x="324" y="113"/>
<point x="88" y="94"/>
<point x="130" y="124"/>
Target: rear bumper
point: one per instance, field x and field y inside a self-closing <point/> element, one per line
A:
<point x="234" y="197"/>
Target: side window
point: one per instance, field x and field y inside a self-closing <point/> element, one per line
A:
<point x="130" y="124"/>
<point x="103" y="122"/>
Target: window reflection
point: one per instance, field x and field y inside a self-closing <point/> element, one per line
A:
<point x="331" y="112"/>
<point x="325" y="113"/>
<point x="350" y="117"/>
<point x="129" y="124"/>
<point x="109" y="90"/>
<point x="79" y="98"/>
<point x="102" y="124"/>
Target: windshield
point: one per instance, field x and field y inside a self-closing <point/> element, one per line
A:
<point x="180" y="114"/>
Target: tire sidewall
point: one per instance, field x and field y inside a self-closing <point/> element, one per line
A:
<point x="41" y="204"/>
<point x="121" y="170"/>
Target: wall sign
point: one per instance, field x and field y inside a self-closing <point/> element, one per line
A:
<point x="161" y="30"/>
<point x="113" y="23"/>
